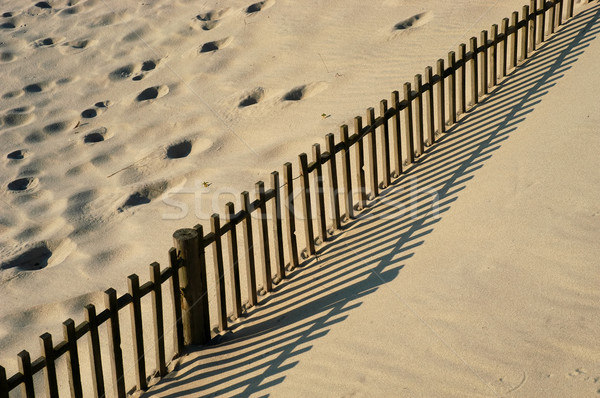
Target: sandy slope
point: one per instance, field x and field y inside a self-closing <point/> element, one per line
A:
<point x="107" y="106"/>
<point x="489" y="290"/>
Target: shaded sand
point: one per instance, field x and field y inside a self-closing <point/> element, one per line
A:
<point x="476" y="275"/>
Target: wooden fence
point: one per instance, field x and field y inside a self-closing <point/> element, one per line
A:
<point x="406" y="126"/>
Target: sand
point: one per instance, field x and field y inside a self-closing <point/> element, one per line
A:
<point x="108" y="110"/>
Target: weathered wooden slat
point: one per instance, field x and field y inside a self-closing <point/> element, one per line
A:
<point x="158" y="315"/>
<point x="72" y="357"/>
<point x="452" y="87"/>
<point x="533" y="25"/>
<point x="515" y="39"/>
<point x="178" y="343"/>
<point x="560" y="12"/>
<point x="396" y="130"/>
<point x="525" y="33"/>
<point x="552" y="18"/>
<point x="494" y="55"/>
<point x="484" y="62"/>
<point x="277" y="225"/>
<point x="219" y="271"/>
<point x="333" y="181"/>
<point x="234" y="263"/>
<point x="385" y="145"/>
<point x="462" y="55"/>
<point x="474" y="73"/>
<point x="408" y="133"/>
<point x="320" y="196"/>
<point x="47" y="349"/>
<point x="249" y="250"/>
<point x="290" y="214"/>
<point x="542" y="27"/>
<point x="569" y="9"/>
<point x="347" y="173"/>
<point x="94" y="352"/>
<point x="504" y="30"/>
<point x="24" y="361"/>
<point x="306" y="204"/>
<point x="114" y="343"/>
<point x="137" y="332"/>
<point x="360" y="164"/>
<point x="264" y="238"/>
<point x="372" y="143"/>
<point x="3" y="383"/>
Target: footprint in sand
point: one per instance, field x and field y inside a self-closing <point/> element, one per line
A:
<point x="304" y="91"/>
<point x="59" y="127"/>
<point x="7" y="56"/>
<point x="17" y="155"/>
<point x="71" y="47"/>
<point x="37" y="87"/>
<point x="252" y="98"/>
<point x="47" y="42"/>
<point x="212" y="18"/>
<point x="41" y="255"/>
<point x="97" y="135"/>
<point x="23" y="184"/>
<point x="179" y="150"/>
<point x="261" y="5"/>
<point x="152" y="93"/>
<point x="19" y="116"/>
<point x="43" y="5"/>
<point x="414" y="21"/>
<point x="212" y="46"/>
<point x="137" y="70"/>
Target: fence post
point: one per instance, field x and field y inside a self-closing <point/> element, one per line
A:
<point x="408" y="124"/>
<point x="219" y="271"/>
<point x="533" y="32"/>
<point x="484" y="62"/>
<point x="320" y="196"/>
<point x="397" y="132"/>
<point x="494" y="55"/>
<point x="176" y="293"/>
<point x="333" y="178"/>
<point x="504" y="32"/>
<point x="3" y="383"/>
<point x="291" y="217"/>
<point x="372" y="142"/>
<point x="462" y="54"/>
<point x="524" y="34"/>
<point x="27" y="389"/>
<point x="552" y="17"/>
<point x="385" y="144"/>
<point x="234" y="261"/>
<point x="419" y="115"/>
<point x="277" y="227"/>
<point x="137" y="333"/>
<point x="542" y="30"/>
<point x="157" y="310"/>
<point x="360" y="164"/>
<point x="515" y="38"/>
<point x="474" y="72"/>
<point x="249" y="249"/>
<point x="452" y="87"/>
<point x="569" y="9"/>
<point x="347" y="173"/>
<point x="72" y="354"/>
<point x="47" y="349"/>
<point x="560" y="12"/>
<point x="114" y="342"/>
<point x="306" y="204"/>
<point x="264" y="235"/>
<point x="193" y="307"/>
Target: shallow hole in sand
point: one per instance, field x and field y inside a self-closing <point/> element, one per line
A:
<point x="16" y="155"/>
<point x="22" y="184"/>
<point x="152" y="93"/>
<point x="43" y="4"/>
<point x="296" y="94"/>
<point x="33" y="259"/>
<point x="179" y="150"/>
<point x="89" y="113"/>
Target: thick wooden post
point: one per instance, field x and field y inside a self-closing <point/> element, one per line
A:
<point x="385" y="145"/>
<point x="264" y="235"/>
<point x="347" y="173"/>
<point x="533" y="25"/>
<point x="249" y="249"/>
<point x="395" y="100"/>
<point x="515" y="38"/>
<point x="360" y="164"/>
<point x="159" y="322"/>
<point x="320" y="196"/>
<point x="114" y="343"/>
<point x="277" y="225"/>
<point x="176" y="293"/>
<point x="494" y="55"/>
<point x="3" y="383"/>
<point x="234" y="261"/>
<point x="452" y="87"/>
<point x="50" y="381"/>
<point x="525" y="33"/>
<point x="408" y="124"/>
<point x="219" y="271"/>
<point x="306" y="204"/>
<point x="474" y="72"/>
<point x="372" y="142"/>
<point x="137" y="332"/>
<point x="462" y="54"/>
<point x="24" y="360"/>
<point x="291" y="217"/>
<point x="484" y="62"/>
<point x="191" y="277"/>
<point x="333" y="179"/>
<point x="504" y="32"/>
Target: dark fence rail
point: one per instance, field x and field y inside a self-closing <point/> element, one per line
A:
<point x="435" y="102"/>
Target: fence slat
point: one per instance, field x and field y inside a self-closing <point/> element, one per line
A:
<point x="137" y="332"/>
<point x="306" y="204"/>
<point x="372" y="143"/>
<point x="249" y="250"/>
<point x="24" y="361"/>
<point x="441" y="97"/>
<point x="542" y="27"/>
<point x="157" y="312"/>
<point x="484" y="62"/>
<point x="533" y="25"/>
<point x="347" y="173"/>
<point x="515" y="39"/>
<point x="72" y="357"/>
<point x="94" y="351"/>
<point x="333" y="180"/>
<point x="176" y="293"/>
<point x="395" y="98"/>
<point x="504" y="32"/>
<point x="114" y="342"/>
<point x="408" y="139"/>
<point x="560" y="12"/>
<point x="3" y="383"/>
<point x="320" y="196"/>
<point x="385" y="144"/>
<point x="419" y="115"/>
<point x="494" y="55"/>
<point x="474" y="72"/>
<point x="47" y="349"/>
<point x="552" y="19"/>
<point x="264" y="234"/>
<point x="452" y="87"/>
<point x="291" y="216"/>
<point x="219" y="272"/>
<point x="234" y="261"/>
<point x="360" y="165"/>
<point x="462" y="51"/>
<point x="525" y="33"/>
<point x="569" y="8"/>
<point x="277" y="225"/>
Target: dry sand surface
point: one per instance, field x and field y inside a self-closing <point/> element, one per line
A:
<point x="109" y="107"/>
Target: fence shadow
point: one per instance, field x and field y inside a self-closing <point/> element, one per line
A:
<point x="373" y="248"/>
